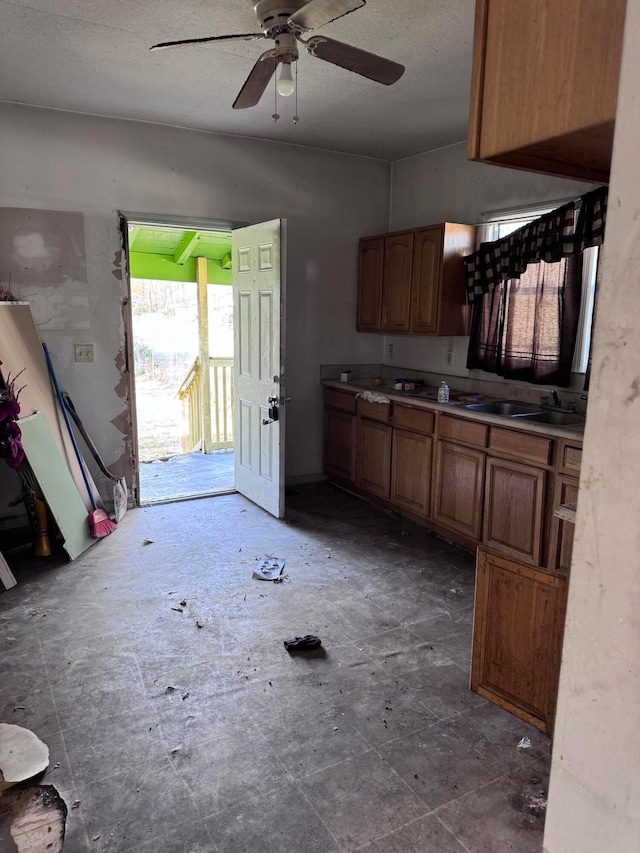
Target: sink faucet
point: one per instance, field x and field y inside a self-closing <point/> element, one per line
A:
<point x="556" y="399"/>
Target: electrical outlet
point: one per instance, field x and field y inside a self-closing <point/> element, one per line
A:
<point x="390" y="351"/>
<point x="449" y="357"/>
<point x="84" y="353"/>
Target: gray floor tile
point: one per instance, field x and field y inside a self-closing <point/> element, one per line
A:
<point x="438" y="765"/>
<point x="505" y="816"/>
<point x="143" y="803"/>
<point x="224" y="770"/>
<point x="277" y="821"/>
<point x="361" y="798"/>
<point x="425" y="835"/>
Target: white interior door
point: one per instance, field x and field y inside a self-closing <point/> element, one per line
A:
<point x="258" y="292"/>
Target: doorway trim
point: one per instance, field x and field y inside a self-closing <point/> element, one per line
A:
<point x="126" y="219"/>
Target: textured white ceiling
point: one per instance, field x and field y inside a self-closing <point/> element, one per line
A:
<point x="92" y="56"/>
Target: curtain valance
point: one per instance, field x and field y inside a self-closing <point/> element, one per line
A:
<point x="563" y="232"/>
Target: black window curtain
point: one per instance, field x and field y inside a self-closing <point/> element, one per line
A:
<point x="526" y="328"/>
<point x="525" y="293"/>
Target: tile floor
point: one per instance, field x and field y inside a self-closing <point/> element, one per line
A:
<point x="187" y="728"/>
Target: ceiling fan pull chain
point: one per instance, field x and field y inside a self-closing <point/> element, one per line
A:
<point x="296" y="118"/>
<point x="275" y="115"/>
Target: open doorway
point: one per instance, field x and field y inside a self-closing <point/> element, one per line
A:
<point x="182" y="344"/>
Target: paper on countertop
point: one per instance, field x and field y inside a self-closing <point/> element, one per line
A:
<point x="372" y="397"/>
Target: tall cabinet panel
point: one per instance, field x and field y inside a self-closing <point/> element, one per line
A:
<point x="517" y="637"/>
<point x="396" y="282"/>
<point x="370" y="270"/>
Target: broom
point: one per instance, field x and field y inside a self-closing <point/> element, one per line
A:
<point x="100" y="525"/>
<point x="120" y="492"/>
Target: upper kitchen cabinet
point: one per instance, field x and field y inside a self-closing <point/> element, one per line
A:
<point x="370" y="268"/>
<point x="413" y="282"/>
<point x="545" y="85"/>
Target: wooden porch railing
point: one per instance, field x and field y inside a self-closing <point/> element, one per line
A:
<point x="222" y="419"/>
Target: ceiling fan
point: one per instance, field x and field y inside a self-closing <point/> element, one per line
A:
<point x="284" y="21"/>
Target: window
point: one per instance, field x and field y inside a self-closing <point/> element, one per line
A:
<point x="530" y="324"/>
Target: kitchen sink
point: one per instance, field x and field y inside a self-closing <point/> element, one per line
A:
<point x="557" y="418"/>
<point x="527" y="412"/>
<point x="506" y="408"/>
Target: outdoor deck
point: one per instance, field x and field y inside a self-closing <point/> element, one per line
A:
<point x="187" y="475"/>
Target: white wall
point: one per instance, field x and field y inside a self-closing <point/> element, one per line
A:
<point x="595" y="779"/>
<point x="443" y="186"/>
<point x="63" y="161"/>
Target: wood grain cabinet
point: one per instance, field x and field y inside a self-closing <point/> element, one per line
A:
<point x="518" y="628"/>
<point x="411" y="453"/>
<point x="565" y="492"/>
<point x="396" y="282"/>
<point x="545" y="85"/>
<point x="373" y="457"/>
<point x="459" y="477"/>
<point x="413" y="282"/>
<point x="340" y="434"/>
<point x="370" y="271"/>
<point x="516" y="494"/>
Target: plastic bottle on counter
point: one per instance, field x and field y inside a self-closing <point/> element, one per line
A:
<point x="443" y="392"/>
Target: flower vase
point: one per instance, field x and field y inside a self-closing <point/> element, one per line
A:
<point x="41" y="543"/>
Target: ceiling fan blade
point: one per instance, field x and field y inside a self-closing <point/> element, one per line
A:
<point x="257" y="81"/>
<point x="317" y="13"/>
<point x="353" y="59"/>
<point x="239" y="37"/>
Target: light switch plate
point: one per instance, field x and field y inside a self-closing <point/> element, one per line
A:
<point x="84" y="352"/>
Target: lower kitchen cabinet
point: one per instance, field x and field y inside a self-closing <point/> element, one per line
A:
<point x="340" y="443"/>
<point x="373" y="456"/>
<point x="561" y="544"/>
<point x="411" y="471"/>
<point x="517" y="637"/>
<point x="459" y="483"/>
<point x="514" y="509"/>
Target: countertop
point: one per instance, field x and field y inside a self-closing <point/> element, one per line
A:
<point x="422" y="400"/>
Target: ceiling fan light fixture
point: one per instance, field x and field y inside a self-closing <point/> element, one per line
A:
<point x="285" y="84"/>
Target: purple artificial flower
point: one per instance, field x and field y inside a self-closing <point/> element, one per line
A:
<point x="11" y="444"/>
<point x="9" y="406"/>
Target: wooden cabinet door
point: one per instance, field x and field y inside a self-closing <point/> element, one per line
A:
<point x="370" y="270"/>
<point x="459" y="482"/>
<point x="411" y="471"/>
<point x="514" y="509"/>
<point x="373" y="457"/>
<point x="545" y="83"/>
<point x="426" y="281"/>
<point x="340" y="443"/>
<point x="396" y="282"/>
<point x="561" y="540"/>
<point x="517" y="637"/>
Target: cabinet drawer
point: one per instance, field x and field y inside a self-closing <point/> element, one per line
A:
<point x="467" y="432"/>
<point x="570" y="458"/>
<point x="534" y="448"/>
<point x="343" y="400"/>
<point x="374" y="411"/>
<point x="408" y="417"/>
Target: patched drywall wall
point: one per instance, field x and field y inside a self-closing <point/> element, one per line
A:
<point x="595" y="784"/>
<point x="93" y="167"/>
<point x="443" y="186"/>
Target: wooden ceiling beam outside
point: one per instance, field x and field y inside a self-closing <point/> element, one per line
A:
<point x="186" y="246"/>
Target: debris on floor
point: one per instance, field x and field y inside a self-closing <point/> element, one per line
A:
<point x="269" y="569"/>
<point x="147" y="541"/>
<point x="22" y="755"/>
<point x="34" y="818"/>
<point x="524" y="743"/>
<point x="302" y="644"/>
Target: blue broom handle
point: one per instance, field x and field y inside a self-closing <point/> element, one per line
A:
<point x="66" y="420"/>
